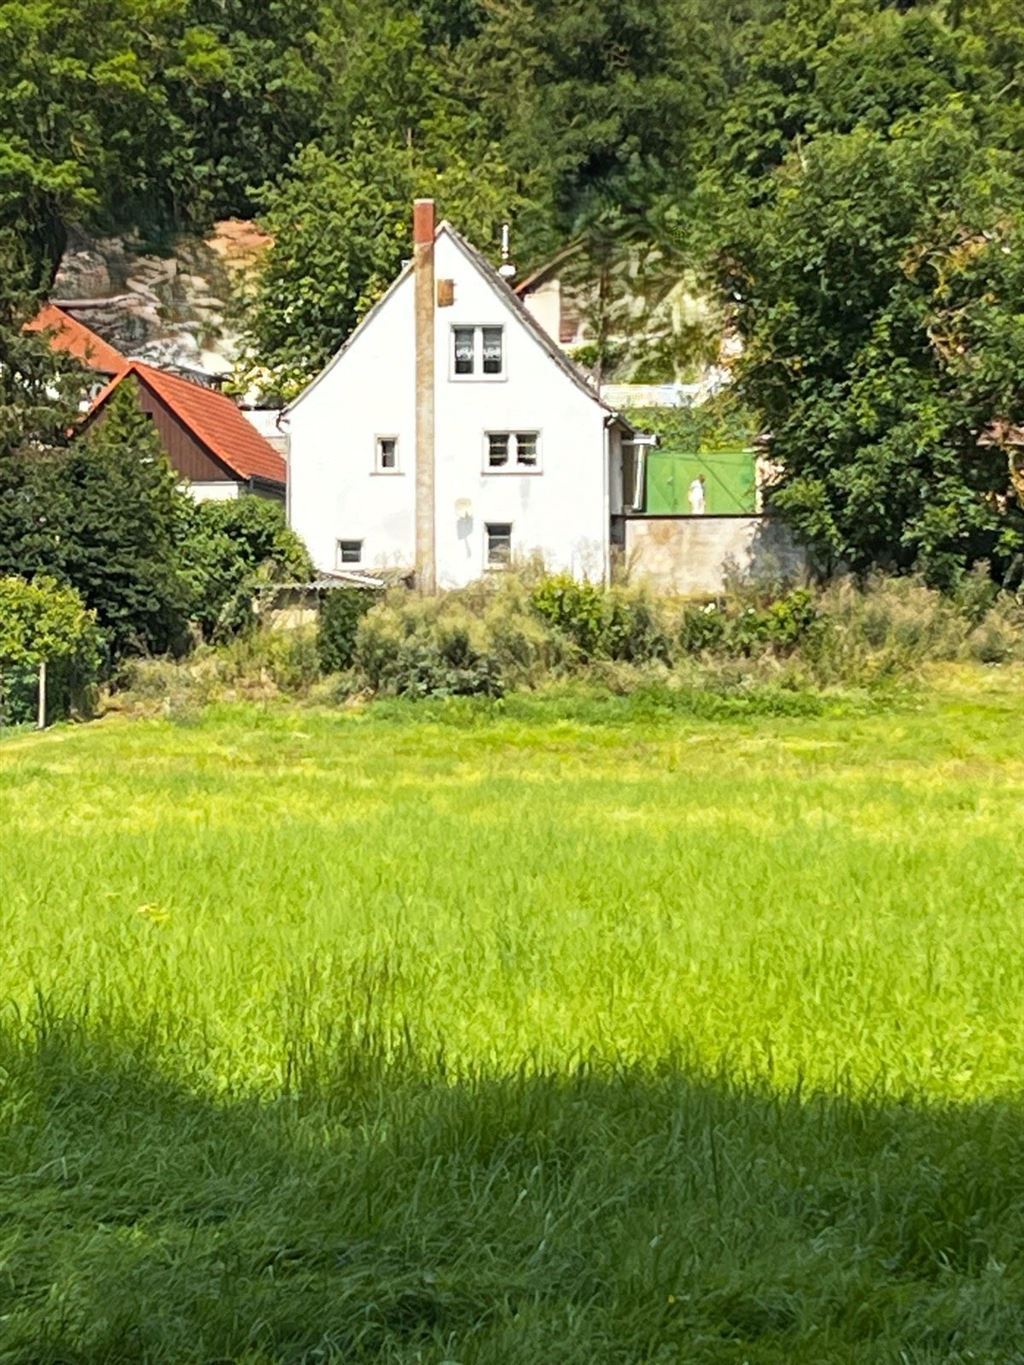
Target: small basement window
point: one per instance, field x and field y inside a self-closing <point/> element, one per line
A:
<point x="387" y="455"/>
<point x="350" y="552"/>
<point x="507" y="450"/>
<point x="499" y="544"/>
<point x="478" y="352"/>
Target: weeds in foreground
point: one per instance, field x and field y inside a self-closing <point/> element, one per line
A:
<point x="751" y="646"/>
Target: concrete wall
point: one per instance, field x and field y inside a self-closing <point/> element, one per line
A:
<point x="693" y="555"/>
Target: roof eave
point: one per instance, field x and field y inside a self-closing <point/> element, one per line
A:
<point x="360" y="326"/>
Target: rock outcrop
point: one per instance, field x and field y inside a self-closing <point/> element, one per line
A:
<point x="176" y="309"/>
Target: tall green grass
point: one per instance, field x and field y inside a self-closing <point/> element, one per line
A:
<point x="540" y="1030"/>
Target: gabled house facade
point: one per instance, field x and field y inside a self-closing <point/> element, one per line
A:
<point x="450" y="435"/>
<point x="209" y="444"/>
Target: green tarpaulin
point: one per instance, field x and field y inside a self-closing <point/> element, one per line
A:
<point x="729" y="480"/>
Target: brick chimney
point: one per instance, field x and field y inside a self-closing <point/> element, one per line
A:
<point x="423" y="230"/>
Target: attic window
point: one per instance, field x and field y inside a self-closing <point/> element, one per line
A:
<point x="493" y="350"/>
<point x="478" y="352"/>
<point x="350" y="552"/>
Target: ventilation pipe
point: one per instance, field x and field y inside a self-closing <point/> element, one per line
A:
<point x="506" y="270"/>
<point x="423" y="233"/>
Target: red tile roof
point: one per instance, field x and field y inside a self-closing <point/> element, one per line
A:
<point x="212" y="418"/>
<point x="70" y="335"/>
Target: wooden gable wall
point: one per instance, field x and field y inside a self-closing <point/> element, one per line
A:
<point x="186" y="456"/>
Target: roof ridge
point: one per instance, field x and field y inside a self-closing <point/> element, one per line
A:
<point x="76" y="338"/>
<point x="213" y="419"/>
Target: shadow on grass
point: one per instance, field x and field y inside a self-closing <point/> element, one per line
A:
<point x="378" y="1211"/>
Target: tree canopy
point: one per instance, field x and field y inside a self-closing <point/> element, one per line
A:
<point x="839" y="176"/>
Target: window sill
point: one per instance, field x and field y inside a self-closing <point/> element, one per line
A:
<point x="387" y="473"/>
<point x="523" y="473"/>
<point x="478" y="378"/>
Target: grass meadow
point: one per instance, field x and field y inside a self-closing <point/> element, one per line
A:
<point x="554" y="1030"/>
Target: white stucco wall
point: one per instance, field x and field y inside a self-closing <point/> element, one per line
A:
<point x="545" y="303"/>
<point x="220" y="491"/>
<point x="559" y="511"/>
<point x="333" y="492"/>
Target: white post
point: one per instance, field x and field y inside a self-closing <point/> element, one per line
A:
<point x="41" y="720"/>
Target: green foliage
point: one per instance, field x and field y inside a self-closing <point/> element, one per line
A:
<point x="43" y="622"/>
<point x="40" y="390"/>
<point x="340" y="233"/>
<point x="402" y="1034"/>
<point x="230" y="550"/>
<point x="516" y="636"/>
<point x="426" y="650"/>
<point x="779" y="625"/>
<point x="119" y="544"/>
<point x="341" y="610"/>
<point x="722" y="423"/>
<point x="618" y="625"/>
<point x="102" y="516"/>
<point x="878" y="351"/>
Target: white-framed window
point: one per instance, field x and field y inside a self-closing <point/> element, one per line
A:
<point x="385" y="459"/>
<point x="349" y="552"/>
<point x="478" y="352"/>
<point x="507" y="452"/>
<point x="498" y="546"/>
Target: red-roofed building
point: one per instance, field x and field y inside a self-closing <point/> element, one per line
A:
<point x="73" y="337"/>
<point x="208" y="441"/>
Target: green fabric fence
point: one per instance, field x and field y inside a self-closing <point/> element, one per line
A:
<point x="730" y="484"/>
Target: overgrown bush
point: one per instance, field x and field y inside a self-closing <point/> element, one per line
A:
<point x="341" y="610"/>
<point x="618" y="624"/>
<point x="520" y="633"/>
<point x="42" y="622"/>
<point x="231" y="549"/>
<point x="747" y="628"/>
<point x="426" y="649"/>
<point x="852" y="634"/>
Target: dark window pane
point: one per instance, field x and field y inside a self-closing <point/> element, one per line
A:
<point x="526" y="447"/>
<point x="497" y="449"/>
<point x="387" y="453"/>
<point x="350" y="551"/>
<point x="499" y="542"/>
<point x="492" y="350"/>
<point x="463" y="350"/>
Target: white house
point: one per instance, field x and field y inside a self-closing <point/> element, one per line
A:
<point x="450" y="434"/>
